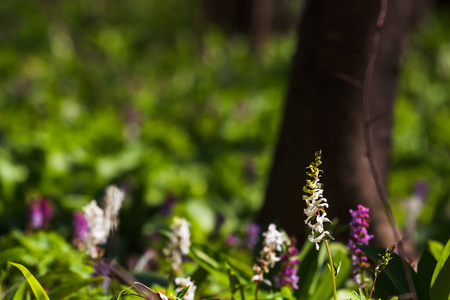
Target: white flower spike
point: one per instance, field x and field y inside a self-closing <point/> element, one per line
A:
<point x="101" y="221"/>
<point x="112" y="204"/>
<point x="315" y="203"/>
<point x="179" y="242"/>
<point x="273" y="240"/>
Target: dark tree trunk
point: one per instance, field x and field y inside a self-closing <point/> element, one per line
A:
<point x="261" y="23"/>
<point x="324" y="111"/>
<point x="231" y="15"/>
<point x="257" y="19"/>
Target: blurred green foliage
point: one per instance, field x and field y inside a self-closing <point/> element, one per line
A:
<point x="140" y="94"/>
<point x="131" y="93"/>
<point x="421" y="140"/>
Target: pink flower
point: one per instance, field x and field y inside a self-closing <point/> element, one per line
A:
<point x="80" y="227"/>
<point x="40" y="213"/>
<point x="288" y="274"/>
<point x="359" y="236"/>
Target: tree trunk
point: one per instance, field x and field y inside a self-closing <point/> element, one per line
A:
<point x="324" y="111"/>
<point x="261" y="23"/>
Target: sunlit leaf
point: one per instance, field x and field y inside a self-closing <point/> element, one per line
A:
<point x="436" y="248"/>
<point x="34" y="284"/>
<point x="72" y="286"/>
<point x="439" y="287"/>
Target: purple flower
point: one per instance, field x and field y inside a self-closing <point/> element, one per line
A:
<point x="288" y="274"/>
<point x="80" y="227"/>
<point x="250" y="171"/>
<point x="359" y="236"/>
<point x="168" y="204"/>
<point x="232" y="240"/>
<point x="253" y="231"/>
<point x="47" y="211"/>
<point x="103" y="269"/>
<point x="220" y="220"/>
<point x="421" y="189"/>
<point x="40" y="213"/>
<point x="36" y="216"/>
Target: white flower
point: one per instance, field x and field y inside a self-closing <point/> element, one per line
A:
<point x="95" y="219"/>
<point x="98" y="232"/>
<point x="184" y="282"/>
<point x="315" y="203"/>
<point x="113" y="201"/>
<point x="257" y="277"/>
<point x="179" y="242"/>
<point x="316" y="240"/>
<point x="101" y="221"/>
<point x="273" y="258"/>
<point x="273" y="238"/>
<point x="259" y="274"/>
<point x="175" y="258"/>
<point x="181" y="234"/>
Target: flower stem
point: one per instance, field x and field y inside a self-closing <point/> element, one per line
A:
<point x="333" y="280"/>
<point x="171" y="278"/>
<point x="363" y="279"/>
<point x="373" y="285"/>
<point x="256" y="290"/>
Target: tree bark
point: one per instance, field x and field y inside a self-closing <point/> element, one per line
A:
<point x="261" y="23"/>
<point x="324" y="111"/>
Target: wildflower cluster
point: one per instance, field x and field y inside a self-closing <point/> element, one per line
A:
<point x="179" y="243"/>
<point x="289" y="261"/>
<point x="273" y="240"/>
<point x="359" y="236"/>
<point x="315" y="203"/>
<point x="100" y="221"/>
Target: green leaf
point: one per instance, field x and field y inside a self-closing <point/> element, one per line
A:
<point x="69" y="287"/>
<point x="235" y="284"/>
<point x="9" y="295"/>
<point x="116" y="297"/>
<point x="22" y="292"/>
<point x="337" y="268"/>
<point x="34" y="284"/>
<point x="207" y="259"/>
<point x="339" y="252"/>
<point x="239" y="264"/>
<point x="360" y="296"/>
<point x="395" y="274"/>
<point x="307" y="270"/>
<point x="183" y="292"/>
<point x="441" y="261"/>
<point x="439" y="288"/>
<point x="425" y="268"/>
<point x="384" y="286"/>
<point x="150" y="278"/>
<point x="436" y="248"/>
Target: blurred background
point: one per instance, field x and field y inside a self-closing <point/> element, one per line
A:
<point x="179" y="102"/>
